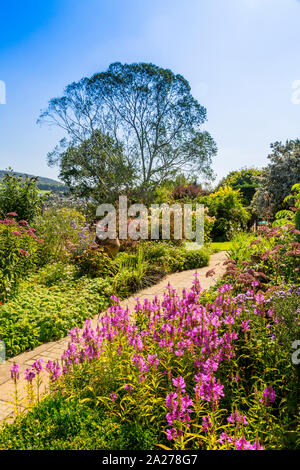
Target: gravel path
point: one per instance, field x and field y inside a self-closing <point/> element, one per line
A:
<point x="53" y="351"/>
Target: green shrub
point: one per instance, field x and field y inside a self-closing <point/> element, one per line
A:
<point x="19" y="195"/>
<point x="270" y="257"/>
<point x="62" y="231"/>
<point x="165" y="255"/>
<point x="55" y="274"/>
<point x="230" y="214"/>
<point x="240" y="246"/>
<point x="135" y="273"/>
<point x="40" y="314"/>
<point x="173" y="258"/>
<point x="18" y="249"/>
<point x="195" y="259"/>
<point x="61" y="424"/>
<point x="94" y="263"/>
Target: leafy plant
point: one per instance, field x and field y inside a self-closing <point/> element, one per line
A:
<point x="62" y="230"/>
<point x="230" y="214"/>
<point x="19" y="195"/>
<point x="94" y="262"/>
<point x="18" y="248"/>
<point x="177" y="374"/>
<point x="42" y="312"/>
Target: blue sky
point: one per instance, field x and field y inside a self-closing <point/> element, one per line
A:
<point x="240" y="57"/>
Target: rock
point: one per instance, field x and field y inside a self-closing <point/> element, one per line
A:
<point x="111" y="247"/>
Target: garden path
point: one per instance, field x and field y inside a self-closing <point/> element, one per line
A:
<point x="53" y="351"/>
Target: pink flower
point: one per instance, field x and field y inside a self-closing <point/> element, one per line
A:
<point x="238" y="419"/>
<point x="29" y="375"/>
<point x="15" y="372"/>
<point x="206" y="423"/>
<point x="23" y="252"/>
<point x="268" y="396"/>
<point x="179" y="383"/>
<point x="37" y="366"/>
<point x="173" y="434"/>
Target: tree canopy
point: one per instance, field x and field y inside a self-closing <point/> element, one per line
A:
<point x="277" y="179"/>
<point x="96" y="168"/>
<point x="148" y="111"/>
<point x="246" y="180"/>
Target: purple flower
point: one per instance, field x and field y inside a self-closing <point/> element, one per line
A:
<point x="54" y="370"/>
<point x="179" y="383"/>
<point x="238" y="419"/>
<point x="29" y="375"/>
<point x="245" y="325"/>
<point x="268" y="396"/>
<point x="37" y="366"/>
<point x="173" y="434"/>
<point x="15" y="372"/>
<point x="206" y="423"/>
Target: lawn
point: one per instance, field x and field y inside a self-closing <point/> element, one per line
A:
<point x="221" y="246"/>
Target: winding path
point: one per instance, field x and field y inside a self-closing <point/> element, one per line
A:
<point x="53" y="351"/>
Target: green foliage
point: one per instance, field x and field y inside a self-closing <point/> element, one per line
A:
<point x="150" y="109"/>
<point x="135" y="273"/>
<point x="245" y="180"/>
<point x="240" y="249"/>
<point x="96" y="168"/>
<point x="61" y="230"/>
<point x="48" y="305"/>
<point x="61" y="424"/>
<point x="270" y="257"/>
<point x="277" y="178"/>
<point x="94" y="263"/>
<point x="230" y="215"/>
<point x="18" y="254"/>
<point x="173" y="258"/>
<point x="195" y="259"/>
<point x="19" y="195"/>
<point x="290" y="216"/>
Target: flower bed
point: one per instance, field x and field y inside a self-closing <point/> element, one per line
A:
<point x="180" y="374"/>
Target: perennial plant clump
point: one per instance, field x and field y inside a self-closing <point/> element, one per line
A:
<point x="208" y="376"/>
<point x="19" y="244"/>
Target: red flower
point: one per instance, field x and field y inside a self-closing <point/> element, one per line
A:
<point x="23" y="222"/>
<point x="17" y="233"/>
<point x="11" y="214"/>
<point x="23" y="252"/>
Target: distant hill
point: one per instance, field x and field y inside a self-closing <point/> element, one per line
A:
<point x="45" y="184"/>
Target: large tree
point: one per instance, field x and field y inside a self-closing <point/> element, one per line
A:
<point x="96" y="168"/>
<point x="246" y="180"/>
<point x="277" y="179"/>
<point x="148" y="110"/>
